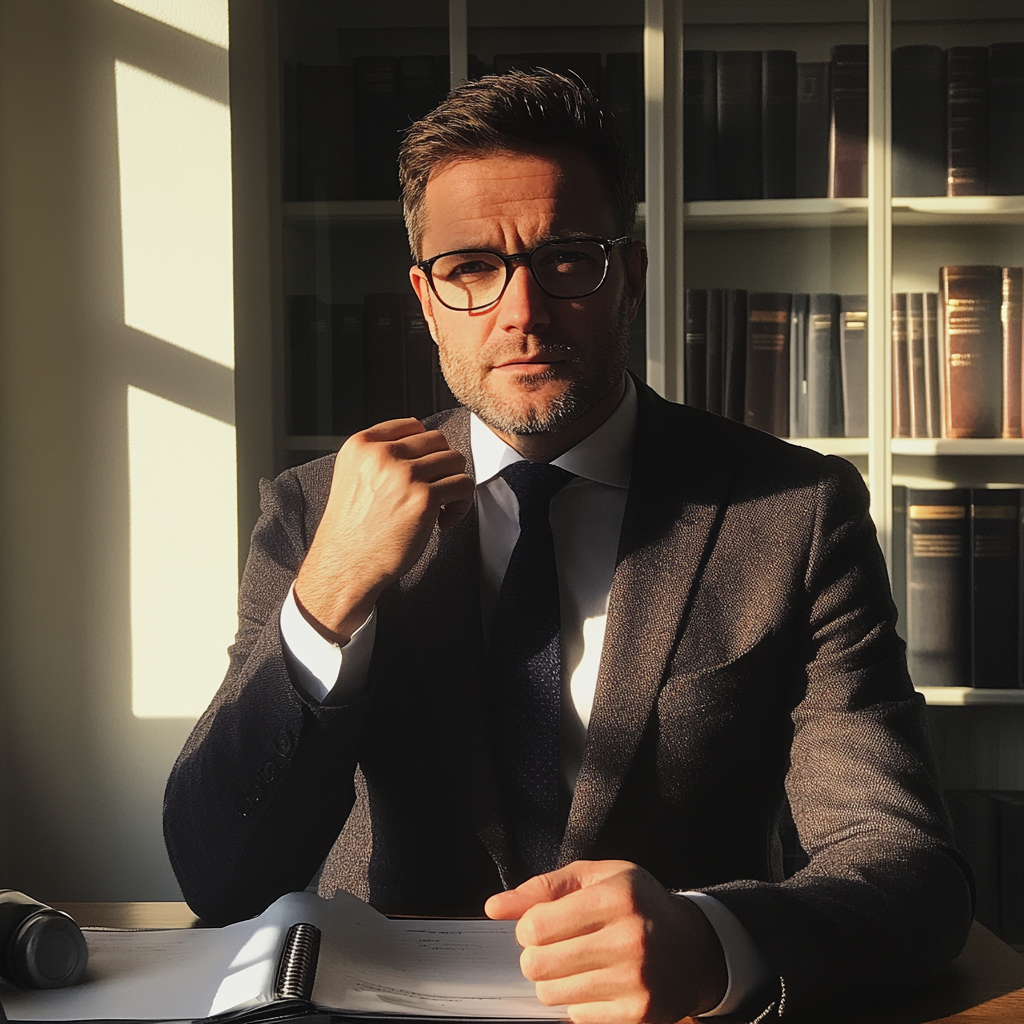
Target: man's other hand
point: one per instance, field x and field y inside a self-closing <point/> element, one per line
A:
<point x="606" y="939"/>
<point x="391" y="484"/>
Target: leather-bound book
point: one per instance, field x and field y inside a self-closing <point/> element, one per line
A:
<point x="932" y="365"/>
<point x="971" y="300"/>
<point x="1006" y="119"/>
<point x="623" y="96"/>
<point x="379" y="120"/>
<point x="700" y="125"/>
<point x="739" y="124"/>
<point x="767" y="384"/>
<point x="900" y="367"/>
<point x="419" y="351"/>
<point x="967" y="120"/>
<point x="939" y="587"/>
<point x="325" y="168"/>
<point x="798" y="365"/>
<point x="848" y="137"/>
<point x="824" y="368"/>
<point x="853" y="344"/>
<point x="995" y="598"/>
<point x="715" y="338"/>
<point x="778" y="124"/>
<point x="307" y="321"/>
<point x="695" y="348"/>
<point x="918" y="121"/>
<point x="383" y="320"/>
<point x="1013" y="341"/>
<point x="734" y="356"/>
<point x="813" y="119"/>
<point x="348" y="369"/>
<point x="916" y="386"/>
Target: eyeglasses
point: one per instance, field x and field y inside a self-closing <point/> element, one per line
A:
<point x="569" y="268"/>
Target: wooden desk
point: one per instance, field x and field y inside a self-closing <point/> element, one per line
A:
<point x="984" y="985"/>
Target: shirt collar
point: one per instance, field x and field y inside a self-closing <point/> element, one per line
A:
<point x="604" y="456"/>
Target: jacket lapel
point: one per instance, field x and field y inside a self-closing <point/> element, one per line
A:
<point x="677" y="491"/>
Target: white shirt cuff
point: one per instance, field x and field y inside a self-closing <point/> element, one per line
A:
<point x="748" y="971"/>
<point x="323" y="669"/>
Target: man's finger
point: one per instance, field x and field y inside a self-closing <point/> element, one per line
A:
<point x="393" y="430"/>
<point x="512" y="904"/>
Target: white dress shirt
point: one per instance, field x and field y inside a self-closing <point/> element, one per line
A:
<point x="586" y="519"/>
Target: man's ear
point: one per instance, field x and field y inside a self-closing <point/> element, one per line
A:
<point x="636" y="275"/>
<point x="421" y="286"/>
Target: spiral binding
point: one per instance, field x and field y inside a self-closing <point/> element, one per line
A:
<point x="296" y="969"/>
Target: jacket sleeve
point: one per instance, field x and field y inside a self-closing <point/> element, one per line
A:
<point x="265" y="782"/>
<point x="885" y="901"/>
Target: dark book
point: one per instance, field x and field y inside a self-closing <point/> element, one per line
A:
<point x="379" y="120"/>
<point x="813" y="121"/>
<point x="824" y="367"/>
<point x="917" y="398"/>
<point x="695" y="348"/>
<point x="938" y="587"/>
<point x="1011" y="866"/>
<point x="853" y="344"/>
<point x="325" y="169"/>
<point x="418" y="86"/>
<point x="971" y="299"/>
<point x="734" y="353"/>
<point x="586" y="66"/>
<point x="778" y="124"/>
<point x="900" y="367"/>
<point x="700" y="125"/>
<point x="976" y="828"/>
<point x="995" y="607"/>
<point x="419" y="353"/>
<point x="623" y="96"/>
<point x="715" y="338"/>
<point x="348" y="369"/>
<point x="308" y="321"/>
<point x="848" y="135"/>
<point x="1006" y="119"/>
<point x="1013" y="340"/>
<point x="767" y="378"/>
<point x="932" y="365"/>
<point x="739" y="124"/>
<point x="919" y="121"/>
<point x="383" y="319"/>
<point x="967" y="121"/>
<point x="798" y="365"/>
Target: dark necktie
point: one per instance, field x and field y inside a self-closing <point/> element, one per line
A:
<point x="526" y="670"/>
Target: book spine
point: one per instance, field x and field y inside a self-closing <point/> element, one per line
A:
<point x="917" y="397"/>
<point x="938" y="588"/>
<point x="813" y="117"/>
<point x="824" y="368"/>
<point x="767" y="378"/>
<point x="1013" y="340"/>
<point x="734" y="360"/>
<point x="848" y="136"/>
<point x="739" y="124"/>
<point x="1006" y="119"/>
<point x="419" y="373"/>
<point x="385" y="357"/>
<point x="296" y="967"/>
<point x="967" y="120"/>
<point x="918" y="121"/>
<point x="798" y="366"/>
<point x="715" y="338"/>
<point x="853" y="340"/>
<point x="971" y="300"/>
<point x="995" y="609"/>
<point x="695" y="348"/>
<point x="700" y="125"/>
<point x="932" y="365"/>
<point x="348" y="369"/>
<point x="624" y="97"/>
<point x="778" y="124"/>
<point x="378" y="122"/>
<point x="326" y="133"/>
<point x="900" y="367"/>
<point x="307" y="321"/>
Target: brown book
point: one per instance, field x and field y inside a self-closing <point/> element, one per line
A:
<point x="325" y="132"/>
<point x="932" y="364"/>
<point x="767" y="383"/>
<point x="900" y="367"/>
<point x="918" y="398"/>
<point x="971" y="300"/>
<point x="1013" y="339"/>
<point x="848" y="137"/>
<point x="967" y="121"/>
<point x="385" y="356"/>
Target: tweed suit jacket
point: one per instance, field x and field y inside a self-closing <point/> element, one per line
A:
<point x="750" y="655"/>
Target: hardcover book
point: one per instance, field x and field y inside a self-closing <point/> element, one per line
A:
<point x="778" y="124"/>
<point x="734" y="360"/>
<point x="1013" y="342"/>
<point x="967" y="121"/>
<point x="767" y="383"/>
<point x="740" y="172"/>
<point x="715" y="338"/>
<point x="813" y="120"/>
<point x="824" y="368"/>
<point x="848" y="138"/>
<point x="918" y="121"/>
<point x="1006" y="119"/>
<point x="798" y="365"/>
<point x="700" y="125"/>
<point x="853" y="340"/>
<point x="695" y="348"/>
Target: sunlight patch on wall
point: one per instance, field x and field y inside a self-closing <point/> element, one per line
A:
<point x="206" y="19"/>
<point x="174" y="151"/>
<point x="184" y="544"/>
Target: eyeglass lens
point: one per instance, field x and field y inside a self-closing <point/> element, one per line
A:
<point x="566" y="270"/>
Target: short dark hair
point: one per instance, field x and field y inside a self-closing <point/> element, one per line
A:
<point x="519" y="113"/>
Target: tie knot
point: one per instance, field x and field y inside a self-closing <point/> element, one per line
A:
<point x="535" y="484"/>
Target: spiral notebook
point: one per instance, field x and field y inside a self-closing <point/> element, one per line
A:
<point x="302" y="955"/>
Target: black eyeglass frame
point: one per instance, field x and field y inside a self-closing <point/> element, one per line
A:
<point x="526" y="258"/>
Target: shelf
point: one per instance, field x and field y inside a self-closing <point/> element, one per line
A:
<point x="933" y="211"/>
<point x="958" y="446"/>
<point x="833" y="445"/>
<point x="747" y="214"/>
<point x="961" y="695"/>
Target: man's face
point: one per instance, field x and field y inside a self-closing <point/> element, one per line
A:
<point x="529" y="363"/>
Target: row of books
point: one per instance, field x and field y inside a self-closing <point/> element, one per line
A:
<point x="964" y="577"/>
<point x="794" y="365"/>
<point x="342" y="124"/>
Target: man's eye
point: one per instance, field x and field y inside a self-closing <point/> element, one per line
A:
<point x="569" y="261"/>
<point x="470" y="268"/>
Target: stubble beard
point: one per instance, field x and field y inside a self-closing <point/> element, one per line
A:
<point x="596" y="378"/>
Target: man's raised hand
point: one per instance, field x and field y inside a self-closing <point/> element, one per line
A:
<point x="391" y="483"/>
<point x="607" y="940"/>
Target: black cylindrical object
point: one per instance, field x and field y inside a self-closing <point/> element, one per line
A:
<point x="39" y="947"/>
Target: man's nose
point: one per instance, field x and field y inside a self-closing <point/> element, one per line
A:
<point x="524" y="307"/>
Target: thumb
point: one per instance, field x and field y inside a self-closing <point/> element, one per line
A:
<point x="513" y="903"/>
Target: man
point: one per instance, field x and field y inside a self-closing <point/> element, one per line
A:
<point x="723" y="637"/>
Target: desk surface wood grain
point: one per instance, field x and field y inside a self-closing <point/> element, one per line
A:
<point x="984" y="985"/>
